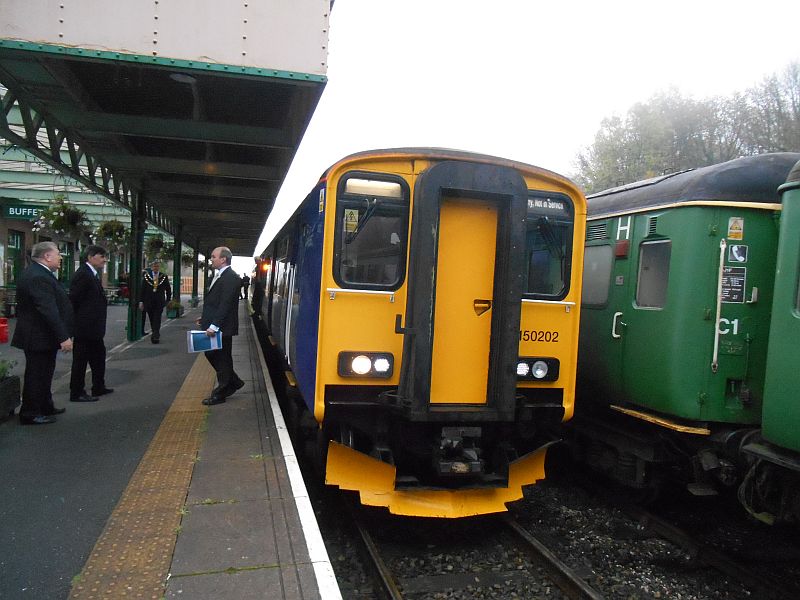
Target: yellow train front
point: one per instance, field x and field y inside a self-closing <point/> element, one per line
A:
<point x="424" y="303"/>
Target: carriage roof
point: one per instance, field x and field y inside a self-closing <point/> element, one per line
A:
<point x="748" y="179"/>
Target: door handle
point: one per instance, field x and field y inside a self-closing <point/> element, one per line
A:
<point x="481" y="306"/>
<point x="614" y="322"/>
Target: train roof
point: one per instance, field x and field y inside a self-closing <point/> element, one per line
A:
<point x="748" y="179"/>
<point x="445" y="154"/>
<point x="794" y="174"/>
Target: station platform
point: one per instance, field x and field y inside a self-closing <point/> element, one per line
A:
<point x="150" y="494"/>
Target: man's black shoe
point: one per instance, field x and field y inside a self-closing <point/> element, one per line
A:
<point x="236" y="386"/>
<point x="212" y="400"/>
<point x="38" y="420"/>
<point x="84" y="398"/>
<point x="102" y="392"/>
<point x="155" y="340"/>
<point x="56" y="411"/>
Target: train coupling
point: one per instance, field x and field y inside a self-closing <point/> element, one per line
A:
<point x="459" y="453"/>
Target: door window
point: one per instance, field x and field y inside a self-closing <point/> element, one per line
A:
<point x="597" y="264"/>
<point x="651" y="287"/>
<point x="14" y="260"/>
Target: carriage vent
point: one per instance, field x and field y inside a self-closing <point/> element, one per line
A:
<point x="652" y="224"/>
<point x="597" y="231"/>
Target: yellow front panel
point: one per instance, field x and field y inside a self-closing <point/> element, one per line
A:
<point x="464" y="278"/>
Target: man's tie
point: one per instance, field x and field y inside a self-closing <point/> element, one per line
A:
<point x="213" y="281"/>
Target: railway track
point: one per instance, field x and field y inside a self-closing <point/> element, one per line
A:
<point x="710" y="556"/>
<point x="547" y="572"/>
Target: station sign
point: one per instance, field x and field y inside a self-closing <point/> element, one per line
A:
<point x="22" y="212"/>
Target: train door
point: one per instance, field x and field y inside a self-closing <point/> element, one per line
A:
<point x="464" y="292"/>
<point x="636" y="300"/>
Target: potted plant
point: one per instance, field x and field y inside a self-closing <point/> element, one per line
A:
<point x="9" y="388"/>
<point x="174" y="309"/>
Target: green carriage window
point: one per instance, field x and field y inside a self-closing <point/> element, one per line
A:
<point x="597" y="264"/>
<point x="548" y="245"/>
<point x="371" y="232"/>
<point x="651" y="286"/>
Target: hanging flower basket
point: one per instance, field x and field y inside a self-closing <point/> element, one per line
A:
<point x="62" y="219"/>
<point x="153" y="247"/>
<point x="113" y="235"/>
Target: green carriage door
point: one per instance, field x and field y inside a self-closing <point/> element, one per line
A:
<point x="638" y="320"/>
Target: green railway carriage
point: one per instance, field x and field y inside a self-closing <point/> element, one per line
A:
<point x="678" y="280"/>
<point x="781" y="425"/>
<point x="771" y="488"/>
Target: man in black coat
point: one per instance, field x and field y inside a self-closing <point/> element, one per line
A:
<point x="155" y="293"/>
<point x="89" y="305"/>
<point x="221" y="313"/>
<point x="44" y="325"/>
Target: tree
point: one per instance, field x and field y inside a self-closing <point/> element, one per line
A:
<point x="671" y="133"/>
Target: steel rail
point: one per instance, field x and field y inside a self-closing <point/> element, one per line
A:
<point x="562" y="575"/>
<point x="707" y="555"/>
<point x="381" y="572"/>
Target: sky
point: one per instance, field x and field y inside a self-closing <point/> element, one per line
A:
<point x="521" y="79"/>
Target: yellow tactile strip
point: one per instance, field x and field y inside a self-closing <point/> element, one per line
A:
<point x="131" y="559"/>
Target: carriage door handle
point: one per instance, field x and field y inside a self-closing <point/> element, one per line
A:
<point x="481" y="306"/>
<point x="614" y="323"/>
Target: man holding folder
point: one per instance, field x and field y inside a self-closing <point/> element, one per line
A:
<point x="221" y="313"/>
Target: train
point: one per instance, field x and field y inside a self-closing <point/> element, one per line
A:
<point x="423" y="307"/>
<point x="688" y="338"/>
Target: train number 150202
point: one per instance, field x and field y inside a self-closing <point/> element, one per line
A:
<point x="528" y="335"/>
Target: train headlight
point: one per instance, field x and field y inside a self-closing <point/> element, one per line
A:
<point x="539" y="369"/>
<point x="361" y="365"/>
<point x="382" y="365"/>
<point x="366" y="364"/>
<point x="535" y="368"/>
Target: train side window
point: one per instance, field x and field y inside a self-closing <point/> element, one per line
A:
<point x="597" y="264"/>
<point x="548" y="245"/>
<point x="651" y="287"/>
<point x="371" y="231"/>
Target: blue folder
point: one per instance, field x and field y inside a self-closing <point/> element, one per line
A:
<point x="198" y="341"/>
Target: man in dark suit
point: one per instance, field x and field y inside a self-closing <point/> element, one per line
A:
<point x="154" y="297"/>
<point x="221" y="313"/>
<point x="44" y="326"/>
<point x="89" y="305"/>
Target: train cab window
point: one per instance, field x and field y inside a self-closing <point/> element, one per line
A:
<point x="371" y="231"/>
<point x="597" y="264"/>
<point x="651" y="287"/>
<point x="548" y="241"/>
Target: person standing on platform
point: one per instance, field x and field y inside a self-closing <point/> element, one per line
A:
<point x="245" y="286"/>
<point x="89" y="305"/>
<point x="154" y="297"/>
<point x="221" y="313"/>
<point x="44" y="326"/>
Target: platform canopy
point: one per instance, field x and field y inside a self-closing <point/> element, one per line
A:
<point x="201" y="126"/>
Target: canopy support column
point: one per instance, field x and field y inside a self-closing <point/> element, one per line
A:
<point x="138" y="226"/>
